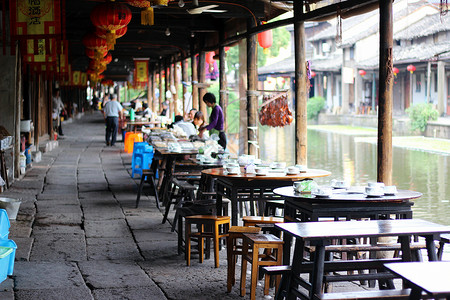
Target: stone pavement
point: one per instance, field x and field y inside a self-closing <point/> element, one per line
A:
<point x="80" y="237"/>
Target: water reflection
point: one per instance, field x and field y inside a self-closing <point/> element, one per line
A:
<point x="353" y="160"/>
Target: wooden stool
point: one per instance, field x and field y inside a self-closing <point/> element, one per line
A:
<point x="253" y="220"/>
<point x="256" y="242"/>
<point x="213" y="222"/>
<point x="147" y="176"/>
<point x="181" y="191"/>
<point x="234" y="249"/>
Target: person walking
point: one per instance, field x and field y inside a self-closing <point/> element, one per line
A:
<point x="112" y="111"/>
<point x="216" y="120"/>
<point x="58" y="108"/>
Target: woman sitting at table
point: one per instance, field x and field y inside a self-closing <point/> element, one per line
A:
<point x="199" y="120"/>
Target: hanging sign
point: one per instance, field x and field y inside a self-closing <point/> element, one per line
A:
<point x="140" y="73"/>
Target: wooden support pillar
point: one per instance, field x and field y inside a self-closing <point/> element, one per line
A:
<point x="37" y="120"/>
<point x="149" y="89"/>
<point x="301" y="91"/>
<point x="201" y="80"/>
<point x="160" y="86"/>
<point x="155" y="101"/>
<point x="252" y="99"/>
<point x="384" y="165"/>
<point x="176" y="81"/>
<point x="17" y="111"/>
<point x="184" y="79"/>
<point x="441" y="87"/>
<point x="243" y="141"/>
<point x="223" y="97"/>
<point x="171" y="84"/>
<point x="167" y="81"/>
<point x="194" y="81"/>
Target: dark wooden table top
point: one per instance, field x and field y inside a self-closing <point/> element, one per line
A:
<point x="355" y="229"/>
<point x="280" y="175"/>
<point x="433" y="277"/>
<point x="351" y="194"/>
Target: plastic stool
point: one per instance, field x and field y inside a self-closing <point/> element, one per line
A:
<point x="139" y="162"/>
<point x="142" y="147"/>
<point x="130" y="139"/>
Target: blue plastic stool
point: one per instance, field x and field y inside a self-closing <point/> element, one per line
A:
<point x="142" y="158"/>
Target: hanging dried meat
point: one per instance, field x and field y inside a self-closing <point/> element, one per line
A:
<point x="275" y="111"/>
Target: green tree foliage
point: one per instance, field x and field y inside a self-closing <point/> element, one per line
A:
<point x="281" y="39"/>
<point x="314" y="106"/>
<point x="420" y="114"/>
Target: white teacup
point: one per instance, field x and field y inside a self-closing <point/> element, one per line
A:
<point x="390" y="189"/>
<point x="322" y="191"/>
<point x="233" y="170"/>
<point x="293" y="170"/>
<point x="302" y="168"/>
<point x="376" y="184"/>
<point x="374" y="191"/>
<point x="339" y="183"/>
<point x="279" y="165"/>
<point x="261" y="171"/>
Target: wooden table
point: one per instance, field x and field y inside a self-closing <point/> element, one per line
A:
<point x="134" y="125"/>
<point x="321" y="234"/>
<point x="431" y="277"/>
<point x="342" y="204"/>
<point x="252" y="187"/>
<point x="169" y="158"/>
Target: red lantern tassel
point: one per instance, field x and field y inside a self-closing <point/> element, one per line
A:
<point x="111" y="39"/>
<point x="147" y="16"/>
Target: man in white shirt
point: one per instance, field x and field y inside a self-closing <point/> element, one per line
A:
<point x="111" y="112"/>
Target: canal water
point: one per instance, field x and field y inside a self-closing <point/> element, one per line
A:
<point x="353" y="159"/>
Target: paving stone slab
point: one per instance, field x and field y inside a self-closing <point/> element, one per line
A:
<point x="159" y="250"/>
<point x="29" y="184"/>
<point x="55" y="294"/>
<point x="112" y="249"/>
<point x="45" y="207"/>
<point x="105" y="195"/>
<point x="29" y="275"/>
<point x="58" y="247"/>
<point x="67" y="197"/>
<point x="57" y="229"/>
<point x="93" y="187"/>
<point x="146" y="222"/>
<point x="98" y="213"/>
<point x="153" y="236"/>
<point x="114" y="274"/>
<point x="152" y="292"/>
<point x="107" y="228"/>
<point x="24" y="245"/>
<point x="60" y="189"/>
<point x="21" y="228"/>
<point x="61" y="201"/>
<point x="59" y="218"/>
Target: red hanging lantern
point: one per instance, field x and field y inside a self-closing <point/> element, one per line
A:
<point x="210" y="57"/>
<point x="362" y="72"/>
<point x="227" y="48"/>
<point x="111" y="16"/>
<point x="395" y="71"/>
<point x="103" y="34"/>
<point x="313" y="74"/>
<point x="91" y="41"/>
<point x="94" y="54"/>
<point x="411" y="68"/>
<point x="147" y="15"/>
<point x="105" y="60"/>
<point x="265" y="39"/>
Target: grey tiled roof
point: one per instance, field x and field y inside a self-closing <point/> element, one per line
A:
<point x="417" y="52"/>
<point x="427" y="26"/>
